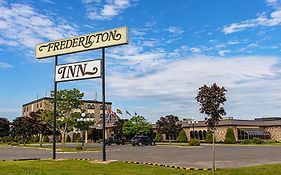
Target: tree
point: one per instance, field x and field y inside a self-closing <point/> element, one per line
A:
<point x="158" y="137"/>
<point x="229" y="136"/>
<point x="168" y="125"/>
<point x="44" y="118"/>
<point x="4" y="127"/>
<point x="137" y="125"/>
<point x="117" y="127"/>
<point x="209" y="136"/>
<point x="67" y="102"/>
<point x="211" y="100"/>
<point x="182" y="137"/>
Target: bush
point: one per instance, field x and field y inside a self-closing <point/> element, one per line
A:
<point x="68" y="139"/>
<point x="257" y="140"/>
<point x="182" y="137"/>
<point x="194" y="142"/>
<point x="158" y="137"/>
<point x="80" y="148"/>
<point x="271" y="141"/>
<point x="46" y="139"/>
<point x="209" y="136"/>
<point x="247" y="142"/>
<point x="7" y="139"/>
<point x="14" y="144"/>
<point x="36" y="138"/>
<point x="230" y="137"/>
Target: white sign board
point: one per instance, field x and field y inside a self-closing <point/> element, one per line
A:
<point x="81" y="43"/>
<point x="78" y="71"/>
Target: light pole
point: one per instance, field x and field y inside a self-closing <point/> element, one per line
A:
<point x="85" y="119"/>
<point x="193" y="122"/>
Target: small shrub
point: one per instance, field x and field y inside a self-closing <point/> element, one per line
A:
<point x="182" y="137"/>
<point x="36" y="139"/>
<point x="79" y="148"/>
<point x="230" y="137"/>
<point x="209" y="136"/>
<point x="7" y="139"/>
<point x="194" y="142"/>
<point x="158" y="137"/>
<point x="271" y="141"/>
<point x="68" y="139"/>
<point x="257" y="140"/>
<point x="247" y="141"/>
<point x="14" y="144"/>
<point x="46" y="139"/>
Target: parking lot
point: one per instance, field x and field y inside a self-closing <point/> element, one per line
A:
<point x="199" y="157"/>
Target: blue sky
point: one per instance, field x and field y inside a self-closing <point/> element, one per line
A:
<point x="174" y="48"/>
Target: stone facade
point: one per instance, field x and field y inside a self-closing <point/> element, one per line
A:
<point x="275" y="132"/>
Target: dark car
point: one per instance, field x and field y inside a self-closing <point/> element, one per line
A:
<point x="142" y="140"/>
<point x="115" y="140"/>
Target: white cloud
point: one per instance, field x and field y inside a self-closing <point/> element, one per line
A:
<point x="22" y="25"/>
<point x="5" y="65"/>
<point x="171" y="85"/>
<point x="98" y="10"/>
<point x="223" y="52"/>
<point x="174" y="30"/>
<point x="262" y="20"/>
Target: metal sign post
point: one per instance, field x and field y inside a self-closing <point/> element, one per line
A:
<point x="103" y="105"/>
<point x="55" y="111"/>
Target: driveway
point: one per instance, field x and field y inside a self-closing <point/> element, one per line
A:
<point x="199" y="157"/>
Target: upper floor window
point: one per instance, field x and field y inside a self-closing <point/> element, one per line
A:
<point x="101" y="107"/>
<point x="91" y="106"/>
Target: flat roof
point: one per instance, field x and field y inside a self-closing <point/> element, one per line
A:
<point x="50" y="98"/>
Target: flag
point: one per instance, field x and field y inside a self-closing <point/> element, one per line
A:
<point x="127" y="112"/>
<point x="118" y="111"/>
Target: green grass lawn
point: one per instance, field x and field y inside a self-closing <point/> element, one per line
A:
<point x="74" y="167"/>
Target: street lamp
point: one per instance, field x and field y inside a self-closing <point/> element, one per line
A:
<point x="85" y="119"/>
<point x="192" y="122"/>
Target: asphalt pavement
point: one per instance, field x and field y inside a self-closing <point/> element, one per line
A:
<point x="198" y="157"/>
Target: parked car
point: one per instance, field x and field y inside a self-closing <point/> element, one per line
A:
<point x="142" y="140"/>
<point x="115" y="140"/>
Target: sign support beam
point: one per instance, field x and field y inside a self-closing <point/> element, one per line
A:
<point x="103" y="104"/>
<point x="55" y="111"/>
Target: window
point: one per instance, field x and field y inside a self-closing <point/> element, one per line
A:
<point x="101" y="107"/>
<point x="250" y="133"/>
<point x="91" y="106"/>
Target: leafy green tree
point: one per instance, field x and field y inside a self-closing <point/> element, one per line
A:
<point x="137" y="125"/>
<point x="4" y="127"/>
<point x="67" y="102"/>
<point x="168" y="125"/>
<point x="230" y="137"/>
<point x="158" y="137"/>
<point x="211" y="100"/>
<point x="117" y="127"/>
<point x="182" y="137"/>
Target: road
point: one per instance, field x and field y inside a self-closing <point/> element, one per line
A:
<point x="199" y="157"/>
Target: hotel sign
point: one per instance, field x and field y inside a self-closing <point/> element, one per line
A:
<point x="81" y="43"/>
<point x="78" y="71"/>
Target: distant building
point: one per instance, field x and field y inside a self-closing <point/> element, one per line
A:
<point x="92" y="108"/>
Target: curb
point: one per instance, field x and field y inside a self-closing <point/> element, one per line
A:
<point x="169" y="166"/>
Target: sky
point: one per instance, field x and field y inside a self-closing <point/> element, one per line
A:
<point x="175" y="47"/>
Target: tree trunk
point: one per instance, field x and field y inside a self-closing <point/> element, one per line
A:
<point x="170" y="139"/>
<point x="86" y="136"/>
<point x="41" y="139"/>
<point x="62" y="139"/>
<point x="214" y="153"/>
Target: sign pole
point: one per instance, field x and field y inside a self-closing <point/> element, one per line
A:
<point x="55" y="110"/>
<point x="103" y="104"/>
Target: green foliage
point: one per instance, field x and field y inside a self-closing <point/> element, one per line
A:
<point x="68" y="139"/>
<point x="14" y="144"/>
<point x="168" y="125"/>
<point x="46" y="139"/>
<point x="194" y="142"/>
<point x="4" y="127"/>
<point x="6" y="139"/>
<point x="257" y="140"/>
<point x="79" y="148"/>
<point x="36" y="139"/>
<point x="247" y="141"/>
<point x="137" y="125"/>
<point x="209" y="136"/>
<point x="211" y="100"/>
<point x="230" y="137"/>
<point x="158" y="137"/>
<point x="182" y="137"/>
